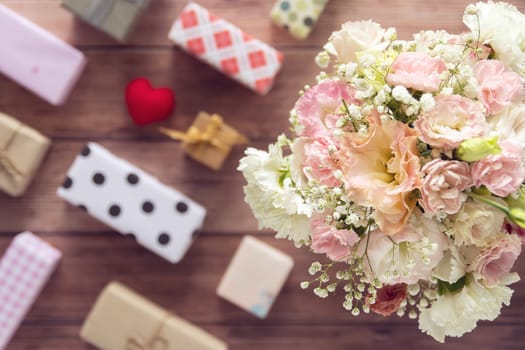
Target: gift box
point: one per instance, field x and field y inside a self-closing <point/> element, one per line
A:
<point x="224" y="46"/>
<point x="36" y="59"/>
<point x="25" y="268"/>
<point x="209" y="140"/>
<point x="114" y="17"/>
<point x="122" y="319"/>
<point x="298" y="17"/>
<point x="255" y="276"/>
<point x="22" y="150"/>
<point x="132" y="202"/>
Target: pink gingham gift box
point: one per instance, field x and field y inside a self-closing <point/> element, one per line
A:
<point x="24" y="270"/>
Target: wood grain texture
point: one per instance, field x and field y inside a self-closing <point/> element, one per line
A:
<point x="94" y="255"/>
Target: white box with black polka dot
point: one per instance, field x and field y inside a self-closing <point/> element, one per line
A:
<point x="132" y="202"/>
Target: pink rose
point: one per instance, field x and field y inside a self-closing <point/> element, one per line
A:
<point x="321" y="162"/>
<point x="452" y="120"/>
<point x="389" y="298"/>
<point x="326" y="239"/>
<point x="416" y="70"/>
<point x="318" y="108"/>
<point x="443" y="185"/>
<point x="496" y="261"/>
<point x="501" y="173"/>
<point x="497" y="86"/>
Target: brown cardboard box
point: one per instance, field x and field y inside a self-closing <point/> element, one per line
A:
<point x="209" y="140"/>
<point x="22" y="150"/>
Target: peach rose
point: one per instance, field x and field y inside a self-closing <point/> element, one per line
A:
<point x="498" y="87"/>
<point x="496" y="261"/>
<point x="317" y="109"/>
<point x="389" y="298"/>
<point x="501" y="173"/>
<point x="416" y="70"/>
<point x="443" y="185"/>
<point x="382" y="171"/>
<point x="326" y="239"/>
<point x="453" y="120"/>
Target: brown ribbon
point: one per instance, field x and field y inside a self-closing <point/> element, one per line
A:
<point x="155" y="342"/>
<point x="6" y="163"/>
<point x="195" y="136"/>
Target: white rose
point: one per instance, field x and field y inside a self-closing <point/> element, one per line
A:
<point x="509" y="124"/>
<point x="501" y="26"/>
<point x="356" y="37"/>
<point x="476" y="223"/>
<point x="458" y="313"/>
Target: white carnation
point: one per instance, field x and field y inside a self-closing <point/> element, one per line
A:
<point x="455" y="314"/>
<point x="501" y="26"/>
<point x="509" y="124"/>
<point x="272" y="196"/>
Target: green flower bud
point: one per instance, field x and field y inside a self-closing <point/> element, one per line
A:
<point x="518" y="216"/>
<point x="478" y="148"/>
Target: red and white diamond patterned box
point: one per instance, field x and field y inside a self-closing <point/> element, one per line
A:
<point x="24" y="270"/>
<point x="224" y="46"/>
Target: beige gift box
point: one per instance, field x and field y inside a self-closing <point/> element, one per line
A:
<point x="123" y="320"/>
<point x="255" y="276"/>
<point x="22" y="150"/>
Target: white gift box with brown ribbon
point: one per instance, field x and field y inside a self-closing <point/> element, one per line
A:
<point x="124" y="320"/>
<point x="22" y="150"/>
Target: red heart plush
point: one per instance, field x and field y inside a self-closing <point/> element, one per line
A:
<point x="146" y="104"/>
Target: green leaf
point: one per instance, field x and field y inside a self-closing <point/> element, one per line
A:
<point x="445" y="287"/>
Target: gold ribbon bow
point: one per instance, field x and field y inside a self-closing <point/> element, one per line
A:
<point x="195" y="136"/>
<point x="155" y="342"/>
<point x="6" y="163"/>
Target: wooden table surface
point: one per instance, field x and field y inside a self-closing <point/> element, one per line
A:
<point x="95" y="255"/>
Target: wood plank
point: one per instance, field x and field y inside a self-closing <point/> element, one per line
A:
<point x="286" y="337"/>
<point x="96" y="108"/>
<point x="253" y="17"/>
<point x="188" y="288"/>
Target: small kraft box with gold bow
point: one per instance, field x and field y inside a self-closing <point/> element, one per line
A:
<point x="22" y="150"/>
<point x="124" y="320"/>
<point x="114" y="17"/>
<point x="209" y="140"/>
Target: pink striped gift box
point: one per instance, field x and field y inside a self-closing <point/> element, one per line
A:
<point x="227" y="48"/>
<point x="24" y="270"/>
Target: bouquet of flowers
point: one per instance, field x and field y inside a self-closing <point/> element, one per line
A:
<point x="406" y="169"/>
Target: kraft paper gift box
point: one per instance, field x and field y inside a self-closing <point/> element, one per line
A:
<point x="124" y="320"/>
<point x="227" y="48"/>
<point x="25" y="269"/>
<point x="209" y="140"/>
<point x="116" y="18"/>
<point x="132" y="202"/>
<point x="255" y="276"/>
<point x="22" y="150"/>
<point x="298" y="17"/>
<point x="36" y="59"/>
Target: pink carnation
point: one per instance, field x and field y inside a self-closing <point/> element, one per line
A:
<point x="326" y="239"/>
<point x="501" y="173"/>
<point x="496" y="261"/>
<point x="443" y="185"/>
<point x="452" y="120"/>
<point x="497" y="86"/>
<point x="416" y="70"/>
<point x="321" y="162"/>
<point x="317" y="110"/>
